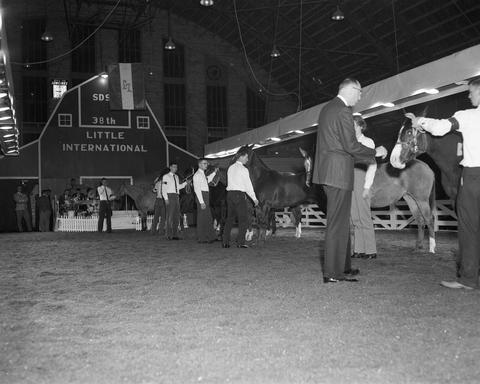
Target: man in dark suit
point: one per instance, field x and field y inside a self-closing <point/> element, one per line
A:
<point x="337" y="151"/>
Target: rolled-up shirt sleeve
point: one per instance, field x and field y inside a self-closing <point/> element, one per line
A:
<point x="438" y="127"/>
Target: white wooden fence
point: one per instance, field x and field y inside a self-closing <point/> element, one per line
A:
<point x="395" y="218"/>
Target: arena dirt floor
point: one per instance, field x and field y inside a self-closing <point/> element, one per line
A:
<point x="129" y="307"/>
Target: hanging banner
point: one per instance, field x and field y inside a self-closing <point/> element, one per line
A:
<point x="126" y="86"/>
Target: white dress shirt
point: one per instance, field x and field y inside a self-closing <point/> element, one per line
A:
<point x="171" y="184"/>
<point x="200" y="183"/>
<point x="238" y="179"/>
<point x="105" y="193"/>
<point x="372" y="168"/>
<point x="157" y="189"/>
<point x="468" y="126"/>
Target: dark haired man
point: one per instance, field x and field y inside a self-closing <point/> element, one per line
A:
<point x="106" y="196"/>
<point x="337" y="151"/>
<point x="170" y="190"/>
<point x="239" y="186"/>
<point x="467" y="122"/>
<point x="205" y="231"/>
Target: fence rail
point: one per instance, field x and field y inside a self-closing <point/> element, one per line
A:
<point x="396" y="217"/>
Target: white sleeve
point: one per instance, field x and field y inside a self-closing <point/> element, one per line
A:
<point x="437" y="127"/>
<point x="164" y="189"/>
<point x="196" y="188"/>
<point x="248" y="184"/>
<point x="370" y="175"/>
<point x="211" y="176"/>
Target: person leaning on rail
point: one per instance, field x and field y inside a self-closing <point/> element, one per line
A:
<point x="467" y="122"/>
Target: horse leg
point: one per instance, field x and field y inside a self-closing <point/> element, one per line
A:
<point x="262" y="221"/>
<point x="143" y="218"/>
<point x="297" y="215"/>
<point x="271" y="226"/>
<point x="414" y="209"/>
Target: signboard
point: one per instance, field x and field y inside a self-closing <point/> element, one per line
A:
<point x="94" y="110"/>
<point x="59" y="88"/>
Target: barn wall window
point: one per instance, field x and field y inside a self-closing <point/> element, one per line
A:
<point x="83" y="58"/>
<point x="129" y="46"/>
<point x="256" y="108"/>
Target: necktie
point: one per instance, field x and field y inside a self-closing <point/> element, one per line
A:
<point x="106" y="192"/>
<point x="175" y="180"/>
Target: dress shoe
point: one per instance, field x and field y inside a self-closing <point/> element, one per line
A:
<point x="330" y="280"/>
<point x="242" y="246"/>
<point x="225" y="245"/>
<point x="357" y="255"/>
<point x="369" y="256"/>
<point x="454" y="285"/>
<point x="352" y="272"/>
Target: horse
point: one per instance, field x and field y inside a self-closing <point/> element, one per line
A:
<point x="276" y="190"/>
<point x="445" y="151"/>
<point x="416" y="185"/>
<point x="144" y="198"/>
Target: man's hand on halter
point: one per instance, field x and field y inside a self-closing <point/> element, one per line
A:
<point x="416" y="121"/>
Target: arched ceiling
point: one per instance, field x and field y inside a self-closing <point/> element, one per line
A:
<point x="377" y="38"/>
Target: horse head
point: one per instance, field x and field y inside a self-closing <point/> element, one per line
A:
<point x="411" y="142"/>
<point x="307" y="163"/>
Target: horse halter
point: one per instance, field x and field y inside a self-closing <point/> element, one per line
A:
<point x="415" y="132"/>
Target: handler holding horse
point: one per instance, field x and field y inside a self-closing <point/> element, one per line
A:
<point x="467" y="122"/>
<point x="336" y="152"/>
<point x="239" y="185"/>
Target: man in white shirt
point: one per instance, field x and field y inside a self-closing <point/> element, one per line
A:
<point x="239" y="186"/>
<point x="105" y="211"/>
<point x="467" y="122"/>
<point x="363" y="241"/>
<point x="159" y="208"/>
<point x="205" y="231"/>
<point x="170" y="191"/>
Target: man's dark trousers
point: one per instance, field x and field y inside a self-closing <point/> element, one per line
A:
<point x="236" y="207"/>
<point x="205" y="231"/>
<point x="105" y="211"/>
<point x="158" y="215"/>
<point x="336" y="258"/>
<point x="173" y="215"/>
<point x="468" y="209"/>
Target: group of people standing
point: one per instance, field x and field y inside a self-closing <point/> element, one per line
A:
<point x="340" y="144"/>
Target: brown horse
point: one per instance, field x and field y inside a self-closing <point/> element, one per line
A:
<point x="144" y="198"/>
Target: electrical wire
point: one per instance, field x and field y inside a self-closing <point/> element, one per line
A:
<point x="77" y="46"/>
<point x="248" y="61"/>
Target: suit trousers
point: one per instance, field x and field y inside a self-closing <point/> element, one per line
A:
<point x="173" y="214"/>
<point x="468" y="210"/>
<point x="361" y="218"/>
<point x="158" y="215"/>
<point x="105" y="212"/>
<point x="44" y="221"/>
<point x="236" y="208"/>
<point x="25" y="215"/>
<point x="336" y="258"/>
<point x="205" y="231"/>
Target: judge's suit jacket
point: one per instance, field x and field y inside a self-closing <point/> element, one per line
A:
<point x="337" y="147"/>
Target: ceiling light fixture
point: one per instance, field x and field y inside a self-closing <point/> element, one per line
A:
<point x="169" y="45"/>
<point x="47" y="36"/>
<point x="338" y="14"/>
<point x="275" y="52"/>
<point x="206" y="3"/>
